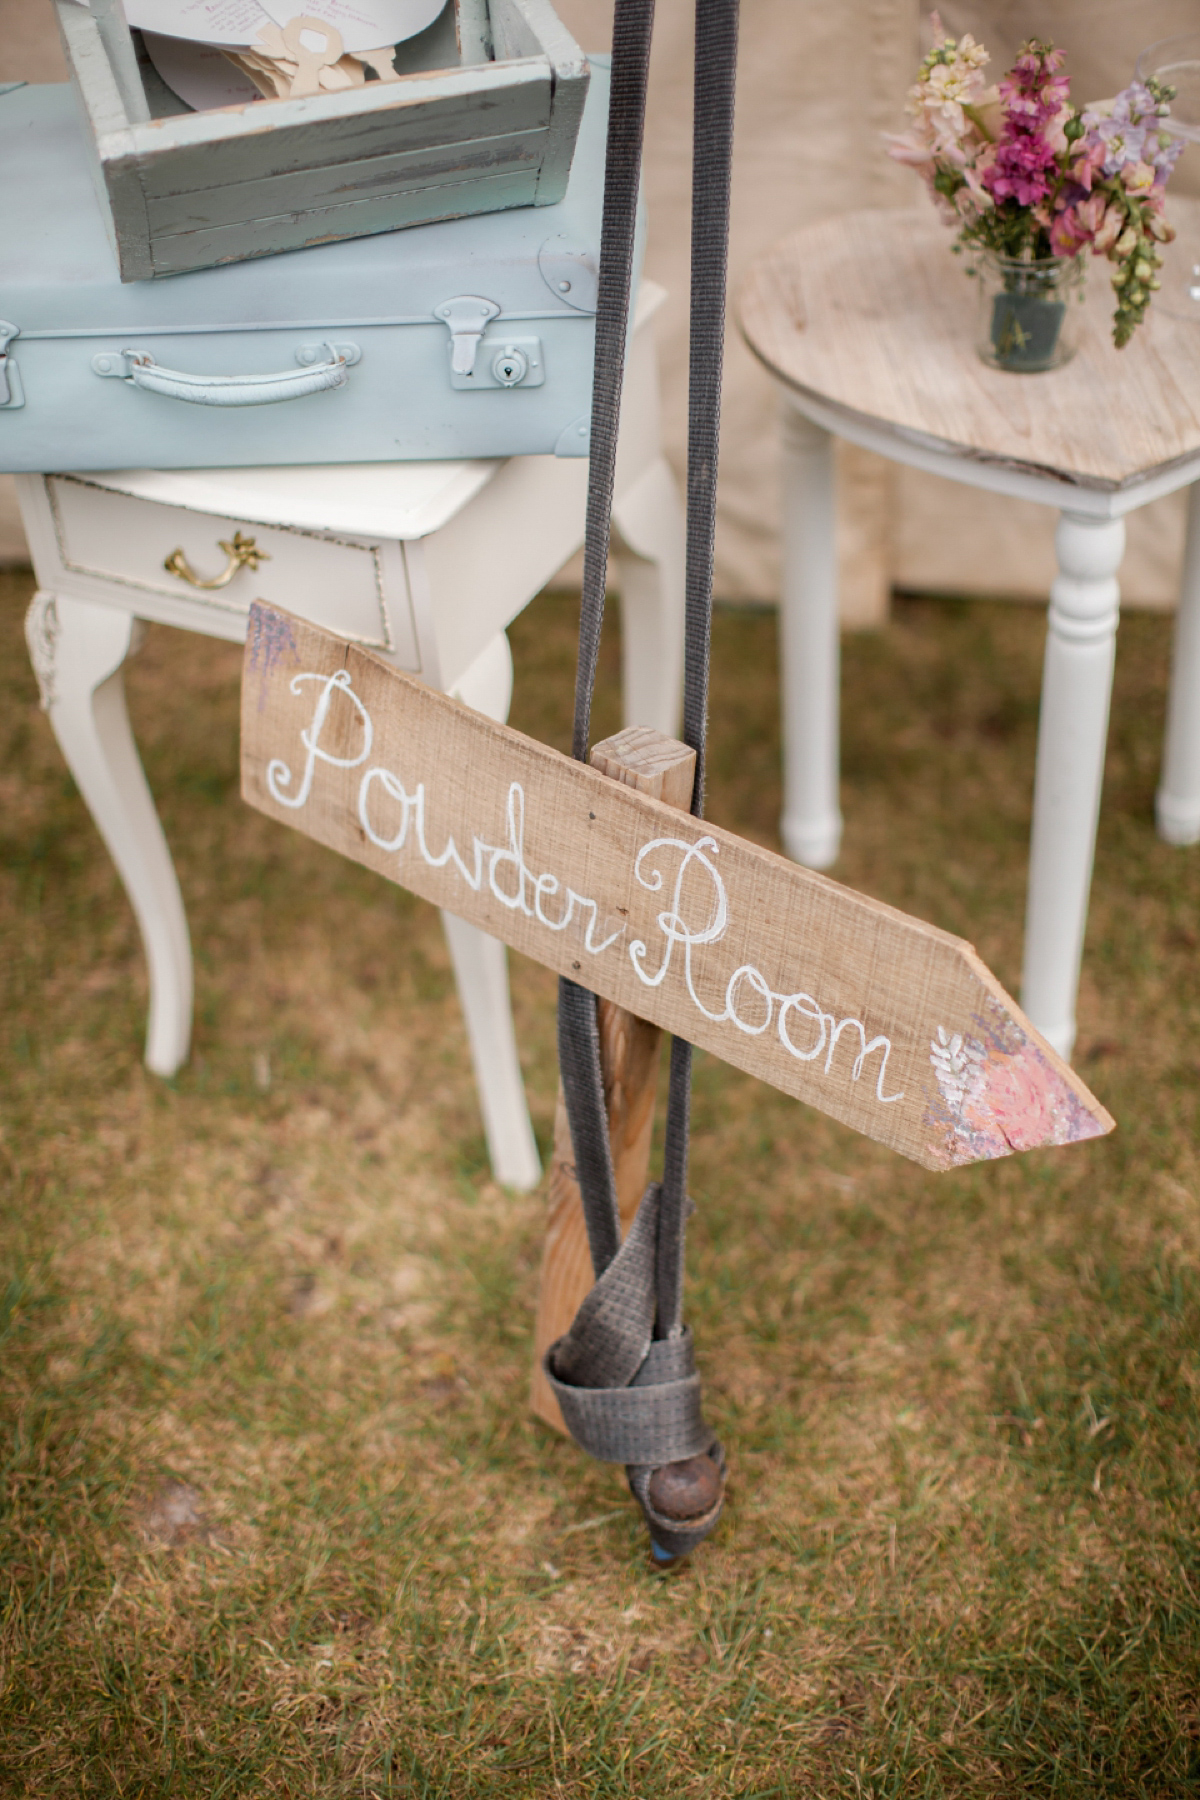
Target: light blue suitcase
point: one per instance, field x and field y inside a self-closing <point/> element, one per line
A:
<point x="463" y="339"/>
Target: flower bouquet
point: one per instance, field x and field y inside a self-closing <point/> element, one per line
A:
<point x="1032" y="181"/>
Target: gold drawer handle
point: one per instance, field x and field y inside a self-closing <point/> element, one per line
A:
<point x="243" y="553"/>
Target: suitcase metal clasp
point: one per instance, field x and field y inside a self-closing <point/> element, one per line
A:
<point x="568" y="268"/>
<point x="12" y="394"/>
<point x="466" y="315"/>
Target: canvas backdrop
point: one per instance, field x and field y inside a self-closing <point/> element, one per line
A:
<point x="818" y="84"/>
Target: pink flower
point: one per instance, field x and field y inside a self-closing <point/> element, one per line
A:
<point x="943" y="104"/>
<point x="1089" y="162"/>
<point x="1076" y="223"/>
<point x="908" y="149"/>
<point x="975" y="180"/>
<point x="1022" y="171"/>
<point x="1108" y="230"/>
<point x="1066" y="239"/>
<point x="1026" y="167"/>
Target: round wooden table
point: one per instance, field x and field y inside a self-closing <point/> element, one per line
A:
<point x="867" y="324"/>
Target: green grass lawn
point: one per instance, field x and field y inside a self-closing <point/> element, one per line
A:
<point x="274" y="1517"/>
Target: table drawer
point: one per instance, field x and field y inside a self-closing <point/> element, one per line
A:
<point x="118" y="539"/>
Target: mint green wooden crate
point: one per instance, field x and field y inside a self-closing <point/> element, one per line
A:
<point x="189" y="190"/>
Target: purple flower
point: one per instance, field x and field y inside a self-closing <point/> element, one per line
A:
<point x="1128" y="130"/>
<point x="1164" y="156"/>
<point x="1124" y="142"/>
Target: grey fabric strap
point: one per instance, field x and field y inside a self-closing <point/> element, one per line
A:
<point x="712" y="162"/>
<point x="633" y="24"/>
<point x="583" y="1093"/>
<point x="624" y="1375"/>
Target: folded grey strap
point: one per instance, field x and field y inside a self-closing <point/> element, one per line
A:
<point x="655" y="1420"/>
<point x="611" y="1332"/>
<point x="626" y="1398"/>
<point x="650" y="1426"/>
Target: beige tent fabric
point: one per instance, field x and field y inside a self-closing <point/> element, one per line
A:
<point x="818" y="84"/>
<point x="1005" y="546"/>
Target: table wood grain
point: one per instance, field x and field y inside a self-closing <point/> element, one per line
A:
<point x="873" y="314"/>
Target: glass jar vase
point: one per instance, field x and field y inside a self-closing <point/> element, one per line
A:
<point x="1029" y="312"/>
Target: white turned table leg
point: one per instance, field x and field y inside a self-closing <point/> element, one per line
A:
<point x="811" y="826"/>
<point x="1076" y="688"/>
<point x="77" y="650"/>
<point x="481" y="973"/>
<point x="649" y="552"/>
<point x="1178" y="803"/>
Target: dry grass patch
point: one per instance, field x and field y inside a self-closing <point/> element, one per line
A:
<point x="275" y="1519"/>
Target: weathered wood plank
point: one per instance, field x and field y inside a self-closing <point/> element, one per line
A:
<point x="521" y="24"/>
<point x="884" y="1022"/>
<point x="629" y="1058"/>
<point x="91" y="71"/>
<point x="279" y="137"/>
<point x="473" y="28"/>
<point x="177" y="254"/>
<point x="122" y="58"/>
<point x="512" y="30"/>
<point x="115" y="173"/>
<point x="369" y="178"/>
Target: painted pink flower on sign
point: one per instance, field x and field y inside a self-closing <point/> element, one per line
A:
<point x="997" y="1094"/>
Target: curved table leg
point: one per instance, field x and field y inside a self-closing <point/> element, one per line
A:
<point x="1177" y="807"/>
<point x="811" y="826"/>
<point x="78" y="650"/>
<point x="649" y="553"/>
<point x="1076" y="687"/>
<point x="481" y="973"/>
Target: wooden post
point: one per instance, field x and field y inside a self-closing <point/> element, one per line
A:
<point x="629" y="1054"/>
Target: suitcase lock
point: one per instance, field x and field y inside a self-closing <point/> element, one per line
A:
<point x="506" y="362"/>
<point x="12" y="394"/>
<point x="466" y="315"/>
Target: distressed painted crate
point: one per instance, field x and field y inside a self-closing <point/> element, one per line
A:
<point x="191" y="190"/>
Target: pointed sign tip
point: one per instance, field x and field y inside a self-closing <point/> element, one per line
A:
<point x="1003" y="1091"/>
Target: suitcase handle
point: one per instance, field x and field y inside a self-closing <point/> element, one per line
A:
<point x="139" y="368"/>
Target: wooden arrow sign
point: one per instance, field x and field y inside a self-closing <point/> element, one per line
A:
<point x="878" y="1019"/>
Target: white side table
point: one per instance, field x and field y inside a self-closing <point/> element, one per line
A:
<point x="426" y="563"/>
<point x="866" y="322"/>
